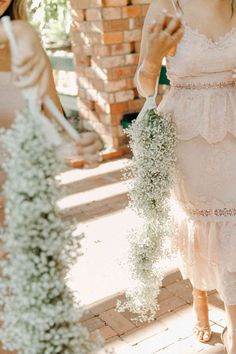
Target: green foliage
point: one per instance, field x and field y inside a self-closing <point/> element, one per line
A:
<point x="52" y="18"/>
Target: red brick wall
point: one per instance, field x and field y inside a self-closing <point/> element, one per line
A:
<point x="106" y="38"/>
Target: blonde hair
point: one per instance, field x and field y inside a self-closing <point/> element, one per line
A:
<point x="17" y="10"/>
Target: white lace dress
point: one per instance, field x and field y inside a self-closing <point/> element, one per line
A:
<point x="202" y="100"/>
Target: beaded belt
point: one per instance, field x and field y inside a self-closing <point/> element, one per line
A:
<point x="203" y="86"/>
<point x="212" y="212"/>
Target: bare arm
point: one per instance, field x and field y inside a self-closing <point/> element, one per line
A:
<point x="51" y="88"/>
<point x="155" y="44"/>
<point x="90" y="143"/>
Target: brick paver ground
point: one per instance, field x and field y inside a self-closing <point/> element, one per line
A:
<point x="171" y="333"/>
<point x="97" y="199"/>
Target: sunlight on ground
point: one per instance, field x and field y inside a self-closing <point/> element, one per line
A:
<point x="92" y="195"/>
<point x="75" y="175"/>
<point x="102" y="270"/>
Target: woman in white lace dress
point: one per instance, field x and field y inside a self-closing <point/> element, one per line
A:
<point x="33" y="67"/>
<point x="202" y="100"/>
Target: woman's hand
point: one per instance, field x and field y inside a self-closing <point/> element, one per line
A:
<point x="87" y="149"/>
<point x="163" y="36"/>
<point x="30" y="66"/>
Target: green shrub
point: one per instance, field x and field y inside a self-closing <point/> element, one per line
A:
<point x="52" y="18"/>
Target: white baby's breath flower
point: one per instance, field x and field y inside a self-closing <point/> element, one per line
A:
<point x="39" y="314"/>
<point x="152" y="140"/>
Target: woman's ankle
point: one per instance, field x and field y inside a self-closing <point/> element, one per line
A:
<point x="200" y="306"/>
<point x="231" y="345"/>
<point x="232" y="335"/>
<point x="231" y="327"/>
<point x="199" y="293"/>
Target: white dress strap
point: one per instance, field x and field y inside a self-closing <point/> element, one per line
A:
<point x="174" y="5"/>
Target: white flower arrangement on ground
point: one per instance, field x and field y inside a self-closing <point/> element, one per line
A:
<point x="152" y="140"/>
<point x="39" y="312"/>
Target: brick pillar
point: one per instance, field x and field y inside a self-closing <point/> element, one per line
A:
<point x="106" y="38"/>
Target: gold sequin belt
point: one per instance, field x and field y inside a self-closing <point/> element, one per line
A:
<point x="211" y="212"/>
<point x="203" y="86"/>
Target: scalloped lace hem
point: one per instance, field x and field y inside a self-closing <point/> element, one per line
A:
<point x="210" y="114"/>
<point x="206" y="251"/>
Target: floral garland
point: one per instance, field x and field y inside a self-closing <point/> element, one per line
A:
<point x="39" y="312"/>
<point x="152" y="140"/>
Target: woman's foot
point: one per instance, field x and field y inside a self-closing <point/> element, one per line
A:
<point x="200" y="304"/>
<point x="228" y="338"/>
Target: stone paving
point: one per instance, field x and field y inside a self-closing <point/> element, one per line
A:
<point x="97" y="199"/>
<point x="171" y="333"/>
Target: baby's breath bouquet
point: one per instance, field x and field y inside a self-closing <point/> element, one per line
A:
<point x="152" y="140"/>
<point x="38" y="311"/>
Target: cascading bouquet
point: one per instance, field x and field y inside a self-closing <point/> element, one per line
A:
<point x="39" y="313"/>
<point x="151" y="172"/>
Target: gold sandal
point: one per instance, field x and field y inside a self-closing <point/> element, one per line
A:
<point x="197" y="329"/>
<point x="206" y="333"/>
<point x="233" y="330"/>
